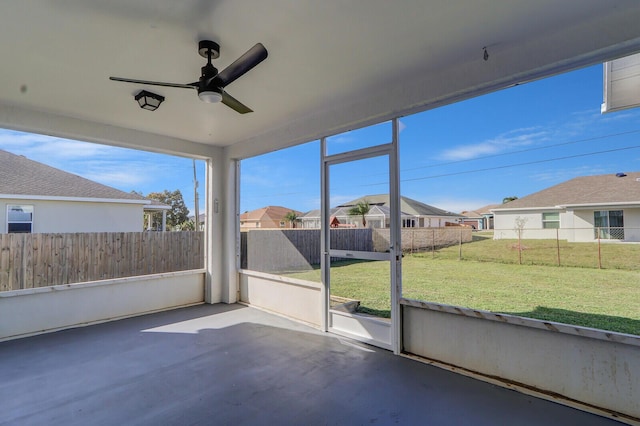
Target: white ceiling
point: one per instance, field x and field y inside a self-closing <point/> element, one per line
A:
<point x="332" y="65"/>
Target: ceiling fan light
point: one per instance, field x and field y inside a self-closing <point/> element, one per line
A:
<point x="210" y="96"/>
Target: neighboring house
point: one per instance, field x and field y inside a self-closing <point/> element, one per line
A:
<point x="37" y="198"/>
<point x="581" y="209"/>
<point x="267" y="217"/>
<point x="202" y="218"/>
<point x="414" y="214"/>
<point x="481" y="218"/>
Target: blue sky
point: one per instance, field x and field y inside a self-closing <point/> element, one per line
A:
<point x="124" y="169"/>
<point x="458" y="157"/>
<point x="470" y="154"/>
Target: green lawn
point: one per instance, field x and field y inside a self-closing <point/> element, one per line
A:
<point x="606" y="299"/>
<point x="546" y="252"/>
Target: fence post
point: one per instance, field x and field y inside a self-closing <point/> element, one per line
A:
<point x="558" y="244"/>
<point x="460" y="245"/>
<point x="599" y="250"/>
<point x="433" y="243"/>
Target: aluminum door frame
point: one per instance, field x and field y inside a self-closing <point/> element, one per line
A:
<point x="394" y="256"/>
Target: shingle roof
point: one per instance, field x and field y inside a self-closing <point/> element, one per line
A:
<point x="274" y="213"/>
<point x="481" y="211"/>
<point x="407" y="205"/>
<point x="585" y="190"/>
<point x="21" y="176"/>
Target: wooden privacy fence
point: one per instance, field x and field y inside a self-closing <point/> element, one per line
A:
<point x="41" y="260"/>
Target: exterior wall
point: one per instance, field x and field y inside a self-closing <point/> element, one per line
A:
<point x="505" y="225"/>
<point x="34" y="311"/>
<point x="375" y="221"/>
<point x="575" y="225"/>
<point x="80" y="216"/>
<point x="632" y="224"/>
<point x="266" y="224"/>
<point x="591" y="369"/>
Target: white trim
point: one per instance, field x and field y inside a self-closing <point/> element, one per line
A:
<point x="73" y="199"/>
<point x="585" y="206"/>
<point x="599" y="205"/>
<point x="87" y="284"/>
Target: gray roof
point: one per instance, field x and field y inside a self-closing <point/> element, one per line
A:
<point x="21" y="176"/>
<point x="485" y="210"/>
<point x="407" y="205"/>
<point x="585" y="190"/>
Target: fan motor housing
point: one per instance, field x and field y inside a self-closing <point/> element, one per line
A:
<point x="204" y="46"/>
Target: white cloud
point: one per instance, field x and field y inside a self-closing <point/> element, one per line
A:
<point x="122" y="168"/>
<point x="502" y="143"/>
<point x="552" y="177"/>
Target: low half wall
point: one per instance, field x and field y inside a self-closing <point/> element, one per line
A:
<point x="39" y="310"/>
<point x="593" y="368"/>
<point x="293" y="298"/>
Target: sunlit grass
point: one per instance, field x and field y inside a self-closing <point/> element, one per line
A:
<point x="607" y="255"/>
<point x="605" y="299"/>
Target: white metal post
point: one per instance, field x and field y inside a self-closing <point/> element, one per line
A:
<point x="325" y="210"/>
<point x="396" y="240"/>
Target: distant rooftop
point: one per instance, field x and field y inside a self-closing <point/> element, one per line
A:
<point x="585" y="190"/>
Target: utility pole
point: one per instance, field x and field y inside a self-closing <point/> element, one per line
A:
<point x="195" y="197"/>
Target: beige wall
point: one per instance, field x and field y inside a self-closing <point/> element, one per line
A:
<point x="72" y="216"/>
<point x="293" y="298"/>
<point x="34" y="311"/>
<point x="576" y="225"/>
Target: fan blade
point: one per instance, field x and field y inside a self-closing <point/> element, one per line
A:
<point x="234" y="104"/>
<point x="156" y="83"/>
<point x="240" y="66"/>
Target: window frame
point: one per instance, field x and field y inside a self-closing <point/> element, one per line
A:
<point x="604" y="231"/>
<point x="546" y="222"/>
<point x="9" y="221"/>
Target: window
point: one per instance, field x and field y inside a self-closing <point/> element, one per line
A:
<point x="408" y="223"/>
<point x="609" y="224"/>
<point x="282" y="224"/>
<point x="19" y="218"/>
<point x="551" y="220"/>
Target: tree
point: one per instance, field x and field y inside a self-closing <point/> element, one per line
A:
<point x="505" y="200"/>
<point x="360" y="209"/>
<point x="179" y="214"/>
<point x="292" y="217"/>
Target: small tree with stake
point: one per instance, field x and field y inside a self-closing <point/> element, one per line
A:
<point x="292" y="217"/>
<point x="360" y="209"/>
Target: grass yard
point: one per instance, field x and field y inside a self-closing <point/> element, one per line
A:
<point x="607" y="299"/>
<point x="484" y="248"/>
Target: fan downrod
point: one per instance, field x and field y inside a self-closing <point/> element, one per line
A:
<point x="206" y="46"/>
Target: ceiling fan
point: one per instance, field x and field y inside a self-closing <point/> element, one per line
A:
<point x="211" y="84"/>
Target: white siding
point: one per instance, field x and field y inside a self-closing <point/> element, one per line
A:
<point x="71" y="216"/>
<point x="575" y="225"/>
<point x="505" y="225"/>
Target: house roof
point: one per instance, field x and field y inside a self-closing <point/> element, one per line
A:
<point x="584" y="191"/>
<point x="481" y="211"/>
<point x="273" y="213"/>
<point x="407" y="205"/>
<point x="22" y="177"/>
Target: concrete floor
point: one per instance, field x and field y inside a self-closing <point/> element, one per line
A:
<point x="233" y="365"/>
